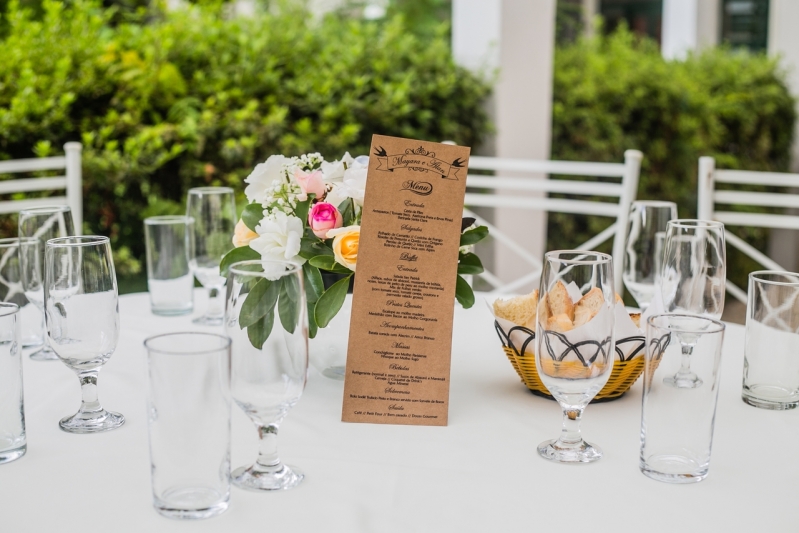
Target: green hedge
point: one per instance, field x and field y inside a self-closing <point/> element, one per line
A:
<point x="617" y="92"/>
<point x="198" y="98"/>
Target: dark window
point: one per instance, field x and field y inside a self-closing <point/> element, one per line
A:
<point x="642" y="16"/>
<point x="744" y="23"/>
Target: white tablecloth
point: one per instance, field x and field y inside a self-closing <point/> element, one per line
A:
<point x="481" y="473"/>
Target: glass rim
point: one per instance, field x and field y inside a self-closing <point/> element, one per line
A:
<point x="720" y="326"/>
<point x="168" y="219"/>
<point x="754" y="277"/>
<point x="82" y="240"/>
<point x="602" y="258"/>
<point x="292" y="267"/>
<point x="8" y="242"/>
<point x="8" y="309"/>
<point x="46" y="209"/>
<point x="654" y="203"/>
<point x="695" y="223"/>
<point x="148" y="343"/>
<point x="211" y="190"/>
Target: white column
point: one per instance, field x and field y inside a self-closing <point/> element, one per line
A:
<point x="708" y="23"/>
<point x="679" y="29"/>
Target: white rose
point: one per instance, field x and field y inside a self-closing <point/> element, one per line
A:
<point x="279" y="238"/>
<point x="263" y="176"/>
<point x="334" y="172"/>
<point x="354" y="182"/>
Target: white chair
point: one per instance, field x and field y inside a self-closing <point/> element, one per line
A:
<point x="709" y="196"/>
<point x="70" y="182"/>
<point x="624" y="192"/>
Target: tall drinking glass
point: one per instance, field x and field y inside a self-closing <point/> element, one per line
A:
<point x="267" y="322"/>
<point x="677" y="422"/>
<point x="168" y="242"/>
<point x="82" y="312"/>
<point x="214" y="212"/>
<point x="11" y="289"/>
<point x="188" y="403"/>
<point x="42" y="223"/>
<point x="13" y="442"/>
<point x="771" y="361"/>
<point x="693" y="281"/>
<point x="643" y="251"/>
<point x="574" y="363"/>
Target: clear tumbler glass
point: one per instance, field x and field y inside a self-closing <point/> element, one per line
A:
<point x="677" y="422"/>
<point x="13" y="443"/>
<point x="168" y="242"/>
<point x="12" y="291"/>
<point x="188" y="407"/>
<point x="771" y="355"/>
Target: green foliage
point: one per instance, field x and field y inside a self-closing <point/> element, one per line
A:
<point x="197" y="98"/>
<point x="617" y="92"/>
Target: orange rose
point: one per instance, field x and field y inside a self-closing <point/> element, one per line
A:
<point x="345" y="245"/>
<point x="243" y="235"/>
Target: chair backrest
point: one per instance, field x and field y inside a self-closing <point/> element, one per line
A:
<point x="498" y="192"/>
<point x="709" y="176"/>
<point x="70" y="182"/>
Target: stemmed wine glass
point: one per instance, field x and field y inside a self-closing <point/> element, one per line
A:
<point x="214" y="212"/>
<point x="82" y="311"/>
<point x="643" y="250"/>
<point x="42" y="223"/>
<point x="574" y="364"/>
<point x="267" y="321"/>
<point x="693" y="282"/>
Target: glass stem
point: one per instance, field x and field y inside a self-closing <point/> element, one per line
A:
<point x="268" y="461"/>
<point x="216" y="305"/>
<point x="45" y="339"/>
<point x="88" y="388"/>
<point x="570" y="434"/>
<point x="685" y="360"/>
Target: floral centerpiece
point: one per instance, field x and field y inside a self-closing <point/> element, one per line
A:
<point x="308" y="211"/>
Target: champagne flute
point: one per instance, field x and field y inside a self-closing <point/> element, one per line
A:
<point x="643" y="250"/>
<point x="267" y="321"/>
<point x="82" y="311"/>
<point x="42" y="223"/>
<point x="693" y="282"/>
<point x="214" y="212"/>
<point x="574" y="364"/>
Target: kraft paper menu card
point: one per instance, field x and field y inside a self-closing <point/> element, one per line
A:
<point x="398" y="360"/>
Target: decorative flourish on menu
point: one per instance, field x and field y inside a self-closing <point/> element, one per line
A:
<point x="400" y="340"/>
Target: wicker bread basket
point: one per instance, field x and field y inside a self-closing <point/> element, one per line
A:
<point x="626" y="369"/>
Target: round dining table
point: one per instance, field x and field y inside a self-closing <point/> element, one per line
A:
<point x="480" y="473"/>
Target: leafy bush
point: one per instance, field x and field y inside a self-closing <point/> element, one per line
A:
<point x="617" y="92"/>
<point x="197" y="98"/>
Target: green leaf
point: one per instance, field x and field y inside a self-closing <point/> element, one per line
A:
<point x="242" y="253"/>
<point x="474" y="236"/>
<point x="314" y="286"/>
<point x="260" y="301"/>
<point x="328" y="262"/>
<point x="463" y="293"/>
<point x="260" y="330"/>
<point x="469" y="264"/>
<point x="347" y="210"/>
<point x="312" y="246"/>
<point x="287" y="304"/>
<point x="252" y="215"/>
<point x="331" y="301"/>
<point x="301" y="211"/>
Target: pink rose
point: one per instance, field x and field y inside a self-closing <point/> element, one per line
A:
<point x="311" y="182"/>
<point x="324" y="217"/>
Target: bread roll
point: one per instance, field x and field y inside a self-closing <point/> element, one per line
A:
<point x="560" y="323"/>
<point x="588" y="306"/>
<point x="560" y="303"/>
<point x="521" y="310"/>
<point x="636" y="318"/>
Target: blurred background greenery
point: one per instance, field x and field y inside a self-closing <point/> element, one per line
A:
<point x="167" y="99"/>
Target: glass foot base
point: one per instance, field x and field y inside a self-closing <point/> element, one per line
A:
<point x="770" y="397"/>
<point x="673" y="469"/>
<point x="206" y="320"/>
<point x="45" y="354"/>
<point x="684" y="381"/>
<point x="191" y="503"/>
<point x="12" y="455"/>
<point x="335" y="372"/>
<point x="284" y="478"/>
<point x="582" y="452"/>
<point x="94" y="422"/>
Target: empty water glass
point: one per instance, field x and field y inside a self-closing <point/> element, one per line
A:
<point x="677" y="422"/>
<point x="13" y="443"/>
<point x="188" y="405"/>
<point x="12" y="291"/>
<point x="771" y="362"/>
<point x="168" y="241"/>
